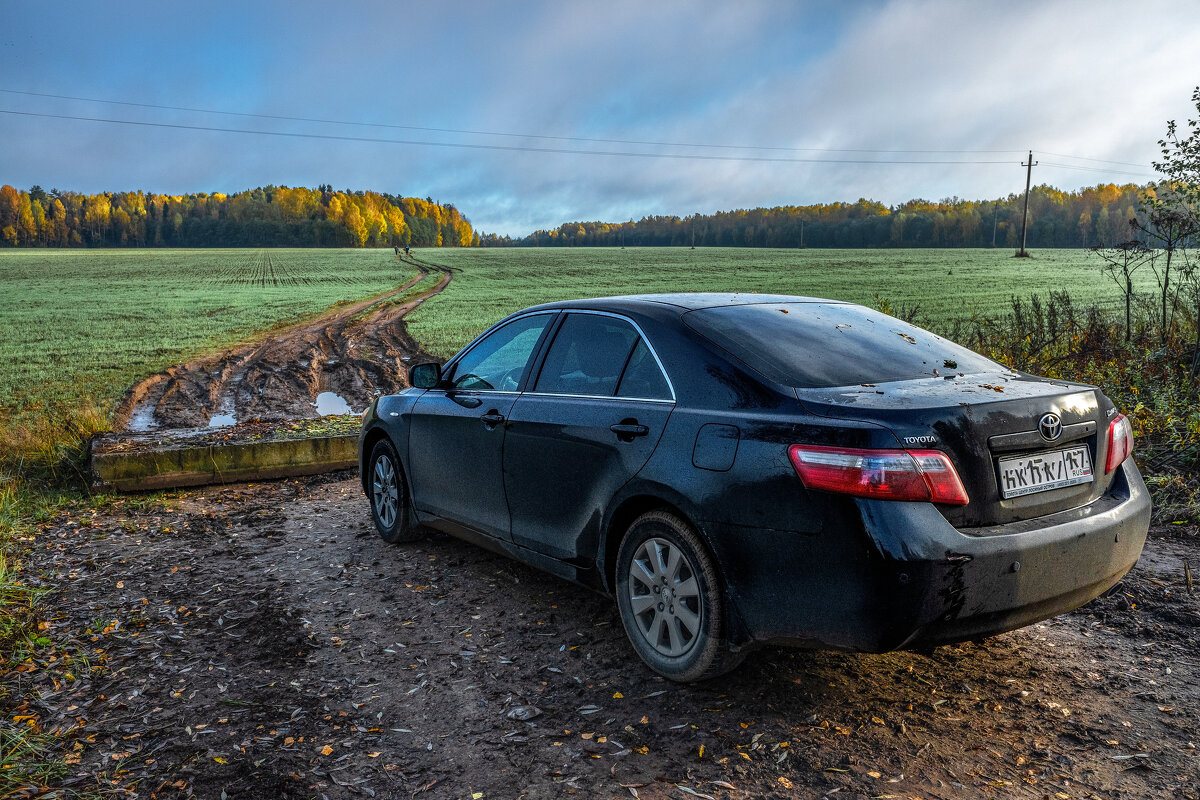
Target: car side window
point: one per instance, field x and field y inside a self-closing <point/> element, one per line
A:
<point x="643" y="377"/>
<point x="587" y="356"/>
<point x="497" y="361"/>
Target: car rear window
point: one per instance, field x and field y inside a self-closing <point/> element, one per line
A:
<point x="818" y="345"/>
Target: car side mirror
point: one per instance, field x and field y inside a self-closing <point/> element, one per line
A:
<point x="425" y="376"/>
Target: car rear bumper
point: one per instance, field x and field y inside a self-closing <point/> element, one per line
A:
<point x="898" y="575"/>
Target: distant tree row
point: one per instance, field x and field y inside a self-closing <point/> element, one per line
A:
<point x="1088" y="217"/>
<point x="271" y="216"/>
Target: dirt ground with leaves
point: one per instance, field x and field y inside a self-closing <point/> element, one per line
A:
<point x="260" y="641"/>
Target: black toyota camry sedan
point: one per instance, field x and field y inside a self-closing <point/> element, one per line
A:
<point x="743" y="468"/>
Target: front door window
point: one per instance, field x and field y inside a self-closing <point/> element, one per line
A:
<point x="498" y="361"/>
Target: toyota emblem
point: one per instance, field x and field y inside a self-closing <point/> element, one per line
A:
<point x="1050" y="426"/>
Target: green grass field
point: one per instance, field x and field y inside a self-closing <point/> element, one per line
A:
<point x="86" y="324"/>
<point x="940" y="283"/>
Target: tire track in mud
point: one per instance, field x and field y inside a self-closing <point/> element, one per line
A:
<point x="356" y="351"/>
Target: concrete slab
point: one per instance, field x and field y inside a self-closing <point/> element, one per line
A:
<point x="148" y="465"/>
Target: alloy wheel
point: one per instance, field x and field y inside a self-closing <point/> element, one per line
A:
<point x="384" y="491"/>
<point x="665" y="598"/>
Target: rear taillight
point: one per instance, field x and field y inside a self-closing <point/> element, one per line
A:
<point x="1120" y="443"/>
<point x="880" y="474"/>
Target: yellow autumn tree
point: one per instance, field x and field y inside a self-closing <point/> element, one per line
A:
<point x="397" y="228"/>
<point x="60" y="231"/>
<point x="97" y="216"/>
<point x="296" y="204"/>
<point x="26" y="229"/>
<point x="334" y="211"/>
<point x="356" y="226"/>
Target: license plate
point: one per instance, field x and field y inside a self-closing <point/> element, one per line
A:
<point x="1045" y="471"/>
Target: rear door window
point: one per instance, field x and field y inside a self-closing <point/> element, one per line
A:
<point x="643" y="377"/>
<point x="587" y="356"/>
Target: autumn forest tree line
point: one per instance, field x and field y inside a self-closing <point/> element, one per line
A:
<point x="1092" y="216"/>
<point x="271" y="216"/>
<point x="279" y="216"/>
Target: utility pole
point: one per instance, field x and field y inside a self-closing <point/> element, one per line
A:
<point x="995" y="222"/>
<point x="1029" y="165"/>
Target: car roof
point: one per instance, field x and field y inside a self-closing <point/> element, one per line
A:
<point x="689" y="301"/>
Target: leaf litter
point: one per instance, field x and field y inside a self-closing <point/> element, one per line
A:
<point x="264" y="642"/>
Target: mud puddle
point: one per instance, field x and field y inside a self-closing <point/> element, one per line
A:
<point x="332" y="404"/>
<point x="142" y="419"/>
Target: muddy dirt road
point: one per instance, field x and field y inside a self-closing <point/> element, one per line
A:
<point x="260" y="641"/>
<point x="355" y="352"/>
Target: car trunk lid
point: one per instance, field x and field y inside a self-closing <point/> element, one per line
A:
<point x="1015" y="462"/>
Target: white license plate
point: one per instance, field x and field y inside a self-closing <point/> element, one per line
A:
<point x="1045" y="471"/>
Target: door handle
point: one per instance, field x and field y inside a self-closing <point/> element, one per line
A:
<point x="492" y="418"/>
<point x="626" y="430"/>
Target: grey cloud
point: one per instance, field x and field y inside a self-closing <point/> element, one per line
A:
<point x="1092" y="79"/>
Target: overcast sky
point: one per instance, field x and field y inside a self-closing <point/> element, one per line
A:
<point x="766" y="87"/>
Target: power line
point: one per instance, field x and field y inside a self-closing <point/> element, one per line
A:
<point x="635" y="142"/>
<point x="494" y="133"/>
<point x="1102" y="170"/>
<point x="1097" y="160"/>
<point x="509" y="148"/>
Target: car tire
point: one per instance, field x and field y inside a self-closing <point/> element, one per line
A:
<point x="388" y="494"/>
<point x="670" y="600"/>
